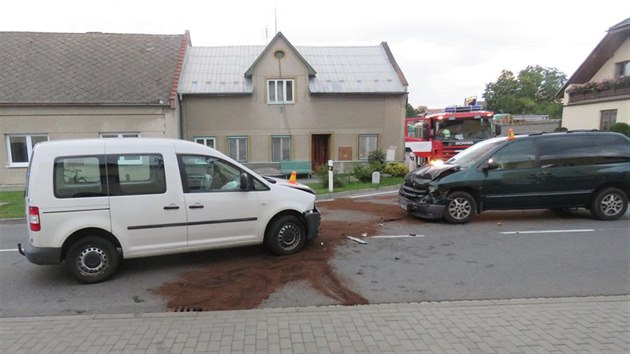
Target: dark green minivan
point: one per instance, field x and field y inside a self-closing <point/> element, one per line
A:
<point x="589" y="169"/>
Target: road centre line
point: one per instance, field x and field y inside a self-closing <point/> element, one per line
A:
<point x="395" y="236"/>
<point x="545" y="231"/>
<point x="9" y="250"/>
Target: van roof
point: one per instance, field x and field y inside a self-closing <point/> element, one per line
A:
<point x="180" y="145"/>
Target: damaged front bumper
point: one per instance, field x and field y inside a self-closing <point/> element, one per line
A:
<point x="313" y="219"/>
<point x="426" y="207"/>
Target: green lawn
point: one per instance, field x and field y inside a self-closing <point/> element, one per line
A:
<point x="352" y="186"/>
<point x="14" y="207"/>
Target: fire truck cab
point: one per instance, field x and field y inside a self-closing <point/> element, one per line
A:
<point x="438" y="137"/>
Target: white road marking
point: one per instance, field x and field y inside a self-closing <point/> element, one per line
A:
<point x="545" y="231"/>
<point x="9" y="250"/>
<point x="396" y="236"/>
<point x="372" y="194"/>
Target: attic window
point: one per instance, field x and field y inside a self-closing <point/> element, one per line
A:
<point x="279" y="54"/>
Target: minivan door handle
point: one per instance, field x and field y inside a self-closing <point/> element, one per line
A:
<point x="171" y="207"/>
<point x="196" y="206"/>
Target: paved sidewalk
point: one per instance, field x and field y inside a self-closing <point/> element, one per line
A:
<point x="564" y="325"/>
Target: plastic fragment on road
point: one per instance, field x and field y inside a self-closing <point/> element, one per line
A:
<point x="357" y="240"/>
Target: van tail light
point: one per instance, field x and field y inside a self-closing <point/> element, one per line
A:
<point x="33" y="218"/>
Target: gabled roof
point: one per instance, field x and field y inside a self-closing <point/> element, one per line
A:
<point x="605" y="50"/>
<point x="89" y="68"/>
<point x="360" y="70"/>
<point x="278" y="37"/>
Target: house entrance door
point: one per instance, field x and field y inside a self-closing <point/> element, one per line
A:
<point x="320" y="150"/>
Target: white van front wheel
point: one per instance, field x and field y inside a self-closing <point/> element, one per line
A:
<point x="92" y="259"/>
<point x="286" y="235"/>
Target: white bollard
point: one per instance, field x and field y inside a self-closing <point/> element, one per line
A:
<point x="330" y="176"/>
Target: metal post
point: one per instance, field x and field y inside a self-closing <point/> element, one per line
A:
<point x="330" y="176"/>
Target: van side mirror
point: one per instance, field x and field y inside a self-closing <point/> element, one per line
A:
<point x="489" y="165"/>
<point x="245" y="182"/>
<point x="497" y="130"/>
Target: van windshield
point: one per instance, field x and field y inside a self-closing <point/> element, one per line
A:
<point x="471" y="155"/>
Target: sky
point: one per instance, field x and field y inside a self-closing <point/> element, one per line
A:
<point x="448" y="50"/>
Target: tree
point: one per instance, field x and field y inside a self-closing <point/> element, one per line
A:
<point x="411" y="112"/>
<point x="533" y="91"/>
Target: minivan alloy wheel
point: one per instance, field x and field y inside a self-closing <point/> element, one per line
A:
<point x="461" y="209"/>
<point x="609" y="204"/>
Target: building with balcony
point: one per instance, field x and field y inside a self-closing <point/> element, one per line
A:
<point x="598" y="94"/>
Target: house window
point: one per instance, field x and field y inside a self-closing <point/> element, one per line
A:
<point x="607" y="119"/>
<point x="279" y="91"/>
<point x="280" y="148"/>
<point x="367" y="144"/>
<point x="622" y="69"/>
<point x="120" y="135"/>
<point x="20" y="148"/>
<point x="210" y="142"/>
<point x="237" y="148"/>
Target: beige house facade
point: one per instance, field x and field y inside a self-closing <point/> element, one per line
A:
<point x="598" y="94"/>
<point x="84" y="85"/>
<point x="265" y="105"/>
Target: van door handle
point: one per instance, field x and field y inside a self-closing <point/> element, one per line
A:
<point x="196" y="206"/>
<point x="171" y="207"/>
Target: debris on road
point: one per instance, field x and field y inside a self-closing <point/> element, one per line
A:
<point x="357" y="240"/>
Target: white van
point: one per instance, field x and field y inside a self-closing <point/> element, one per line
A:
<point x="92" y="202"/>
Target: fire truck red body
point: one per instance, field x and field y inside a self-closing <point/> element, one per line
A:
<point x="440" y="136"/>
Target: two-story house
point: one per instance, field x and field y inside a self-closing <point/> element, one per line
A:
<point x="598" y="94"/>
<point x="279" y="102"/>
<point x="84" y="85"/>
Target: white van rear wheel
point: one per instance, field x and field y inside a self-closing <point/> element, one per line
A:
<point x="92" y="259"/>
<point x="286" y="235"/>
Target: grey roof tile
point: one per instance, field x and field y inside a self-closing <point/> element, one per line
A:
<point x="87" y="68"/>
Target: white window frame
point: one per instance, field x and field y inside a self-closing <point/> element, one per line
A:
<point x="29" y="148"/>
<point x="204" y="140"/>
<point x="280" y="87"/>
<point x="281" y="139"/>
<point x="236" y="154"/>
<point x="364" y="151"/>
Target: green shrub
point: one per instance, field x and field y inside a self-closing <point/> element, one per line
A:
<point x="622" y="128"/>
<point x="322" y="173"/>
<point x="560" y="129"/>
<point x="396" y="169"/>
<point x="363" y="172"/>
<point x="376" y="159"/>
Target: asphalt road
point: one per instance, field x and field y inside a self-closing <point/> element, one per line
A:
<point x="515" y="254"/>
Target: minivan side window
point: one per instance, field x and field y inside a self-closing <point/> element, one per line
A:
<point x="208" y="174"/>
<point x="580" y="150"/>
<point x="516" y="155"/>
<point x="79" y="177"/>
<point x="134" y="174"/>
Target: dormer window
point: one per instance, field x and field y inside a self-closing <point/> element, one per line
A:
<point x="280" y="91"/>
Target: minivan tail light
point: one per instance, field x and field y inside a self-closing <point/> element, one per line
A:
<point x="33" y="218"/>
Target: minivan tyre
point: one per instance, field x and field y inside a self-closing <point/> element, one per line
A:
<point x="286" y="235"/>
<point x="92" y="259"/>
<point x="609" y="204"/>
<point x="461" y="209"/>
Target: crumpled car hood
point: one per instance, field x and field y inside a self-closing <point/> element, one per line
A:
<point x="428" y="173"/>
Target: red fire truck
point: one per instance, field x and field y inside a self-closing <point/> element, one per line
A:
<point x="437" y="137"/>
